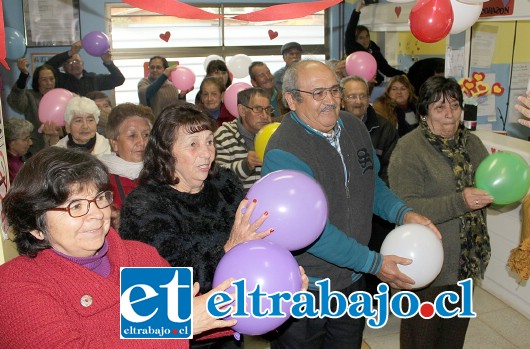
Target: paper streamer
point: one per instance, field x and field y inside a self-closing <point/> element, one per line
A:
<point x="2" y="38"/>
<point x="173" y="8"/>
<point x="287" y="11"/>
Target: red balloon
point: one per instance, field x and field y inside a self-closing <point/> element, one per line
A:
<point x="431" y="20"/>
<point x="53" y="104"/>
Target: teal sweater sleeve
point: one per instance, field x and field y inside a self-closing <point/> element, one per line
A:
<point x="333" y="245"/>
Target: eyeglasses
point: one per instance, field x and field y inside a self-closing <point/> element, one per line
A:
<point x="155" y="67"/>
<point x="73" y="61"/>
<point x="360" y="97"/>
<point x="80" y="207"/>
<point x="259" y="109"/>
<point x="320" y="93"/>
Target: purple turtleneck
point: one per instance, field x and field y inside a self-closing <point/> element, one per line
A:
<point x="99" y="263"/>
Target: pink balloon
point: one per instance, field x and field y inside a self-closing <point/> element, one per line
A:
<point x="96" y="43"/>
<point x="297" y="206"/>
<point x="230" y="97"/>
<point x="183" y="78"/>
<point x="431" y="20"/>
<point x="53" y="104"/>
<point x="362" y="64"/>
<point x="270" y="266"/>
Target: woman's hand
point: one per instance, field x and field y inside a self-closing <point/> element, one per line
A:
<point x="243" y="230"/>
<point x="22" y="64"/>
<point x="202" y="320"/>
<point x="476" y="199"/>
<point x="168" y="70"/>
<point x="416" y="218"/>
<point x="524" y="109"/>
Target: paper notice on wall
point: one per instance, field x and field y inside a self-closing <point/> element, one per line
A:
<point x="455" y="63"/>
<point x="520" y="75"/>
<point x="483" y="46"/>
<point x="486" y="104"/>
<point x="391" y="48"/>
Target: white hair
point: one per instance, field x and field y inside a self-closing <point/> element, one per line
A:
<point x="80" y="105"/>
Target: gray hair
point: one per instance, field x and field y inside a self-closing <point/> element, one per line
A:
<point x="290" y="78"/>
<point x="357" y="78"/>
<point x="78" y="105"/>
<point x="14" y="129"/>
<point x="244" y="96"/>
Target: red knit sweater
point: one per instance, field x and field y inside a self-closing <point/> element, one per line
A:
<point x="40" y="301"/>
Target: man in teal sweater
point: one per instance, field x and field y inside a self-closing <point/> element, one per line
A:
<point x="337" y="151"/>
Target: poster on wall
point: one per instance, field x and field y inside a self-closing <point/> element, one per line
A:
<point x="497" y="8"/>
<point x="50" y="24"/>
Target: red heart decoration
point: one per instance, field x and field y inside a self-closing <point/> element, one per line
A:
<point x="397" y="10"/>
<point x="165" y="36"/>
<point x="497" y="89"/>
<point x="273" y="34"/>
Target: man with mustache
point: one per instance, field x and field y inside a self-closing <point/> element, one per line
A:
<point x="234" y="140"/>
<point x="335" y="148"/>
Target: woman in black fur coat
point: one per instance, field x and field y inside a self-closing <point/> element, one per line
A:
<point x="185" y="206"/>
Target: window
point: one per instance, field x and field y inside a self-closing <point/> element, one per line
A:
<point x="136" y="37"/>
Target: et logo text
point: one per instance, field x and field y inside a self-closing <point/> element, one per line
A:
<point x="156" y="303"/>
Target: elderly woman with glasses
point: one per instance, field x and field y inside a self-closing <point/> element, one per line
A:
<point x="63" y="291"/>
<point x="155" y="90"/>
<point x="18" y="141"/>
<point x="398" y="104"/>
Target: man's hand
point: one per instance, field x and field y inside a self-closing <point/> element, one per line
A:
<point x="253" y="160"/>
<point x="107" y="58"/>
<point x="22" y="64"/>
<point x="391" y="274"/>
<point x="524" y="109"/>
<point x="76" y="47"/>
<point x="416" y="218"/>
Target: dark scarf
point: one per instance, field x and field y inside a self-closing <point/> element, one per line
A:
<point x="475" y="250"/>
<point x="88" y="146"/>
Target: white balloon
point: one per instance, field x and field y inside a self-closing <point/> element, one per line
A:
<point x="210" y="58"/>
<point x="465" y="15"/>
<point x="238" y="65"/>
<point x="419" y="243"/>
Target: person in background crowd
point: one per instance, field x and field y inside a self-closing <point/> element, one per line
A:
<point x="384" y="136"/>
<point x="81" y="117"/>
<point x="433" y="169"/>
<point x="211" y="93"/>
<point x="26" y="101"/>
<point x="219" y="69"/>
<point x="291" y="53"/>
<point x="104" y="105"/>
<point x="155" y="90"/>
<point x="77" y="79"/>
<point x="128" y="130"/>
<point x="260" y="76"/>
<point x="234" y="141"/>
<point x="335" y="149"/>
<point x="423" y="69"/>
<point x="398" y="104"/>
<point x="18" y="141"/>
<point x="357" y="38"/>
<point x="63" y="291"/>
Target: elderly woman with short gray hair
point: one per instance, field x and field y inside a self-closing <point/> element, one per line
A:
<point x="18" y="141"/>
<point x="81" y="118"/>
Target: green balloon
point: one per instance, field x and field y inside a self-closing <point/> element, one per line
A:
<point x="505" y="176"/>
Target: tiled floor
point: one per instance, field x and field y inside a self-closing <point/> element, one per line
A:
<point x="496" y="326"/>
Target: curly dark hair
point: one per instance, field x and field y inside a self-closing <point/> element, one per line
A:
<point x="46" y="181"/>
<point x="159" y="163"/>
<point x="436" y="88"/>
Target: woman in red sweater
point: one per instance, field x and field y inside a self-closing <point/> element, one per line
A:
<point x="63" y="291"/>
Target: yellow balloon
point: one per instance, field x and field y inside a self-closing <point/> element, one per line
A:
<point x="262" y="138"/>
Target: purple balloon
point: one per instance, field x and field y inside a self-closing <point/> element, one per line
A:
<point x="96" y="43"/>
<point x="268" y="264"/>
<point x="297" y="208"/>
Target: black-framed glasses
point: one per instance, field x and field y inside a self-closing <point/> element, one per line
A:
<point x="259" y="109"/>
<point x="80" y="207"/>
<point x="320" y="93"/>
